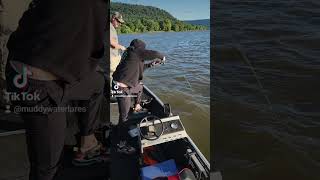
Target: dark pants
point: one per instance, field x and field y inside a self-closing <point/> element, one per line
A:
<point x="104" y="67"/>
<point x="45" y="131"/>
<point x="124" y="103"/>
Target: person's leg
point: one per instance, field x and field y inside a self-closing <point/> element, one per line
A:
<point x="87" y="94"/>
<point x="45" y="133"/>
<point x="137" y="91"/>
<point x="124" y="104"/>
<point x="88" y="122"/>
<point x="45" y="141"/>
<point x="44" y="130"/>
<point x="104" y="68"/>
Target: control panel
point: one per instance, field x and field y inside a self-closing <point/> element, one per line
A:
<point x="172" y="130"/>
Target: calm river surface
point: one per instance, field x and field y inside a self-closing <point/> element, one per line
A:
<point x="267" y="120"/>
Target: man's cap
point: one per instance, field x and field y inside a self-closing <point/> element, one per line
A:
<point x="118" y="16"/>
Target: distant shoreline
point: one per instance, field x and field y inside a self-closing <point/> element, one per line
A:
<point x="151" y="32"/>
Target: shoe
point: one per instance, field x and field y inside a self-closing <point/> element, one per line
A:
<point x="124" y="148"/>
<point x="95" y="155"/>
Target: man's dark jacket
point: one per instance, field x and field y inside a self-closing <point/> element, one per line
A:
<point x="130" y="70"/>
<point x="64" y="37"/>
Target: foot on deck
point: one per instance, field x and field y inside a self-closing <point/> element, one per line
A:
<point x="97" y="154"/>
<point x="124" y="148"/>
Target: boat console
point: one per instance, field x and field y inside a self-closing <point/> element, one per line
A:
<point x="154" y="131"/>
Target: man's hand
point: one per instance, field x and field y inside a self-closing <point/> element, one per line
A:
<point x="163" y="60"/>
<point x="122" y="48"/>
<point x="155" y="62"/>
<point x="116" y="45"/>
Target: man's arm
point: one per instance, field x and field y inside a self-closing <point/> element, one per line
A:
<point x="116" y="45"/>
<point x="151" y="55"/>
<point x="156" y="56"/>
<point x="152" y="64"/>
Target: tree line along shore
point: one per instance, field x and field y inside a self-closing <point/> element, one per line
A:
<point x="140" y="19"/>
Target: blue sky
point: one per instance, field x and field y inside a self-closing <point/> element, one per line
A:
<point x="181" y="9"/>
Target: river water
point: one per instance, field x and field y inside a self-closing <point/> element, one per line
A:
<point x="184" y="81"/>
<point x="266" y="89"/>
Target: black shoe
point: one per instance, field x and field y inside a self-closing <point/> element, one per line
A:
<point x="95" y="155"/>
<point x="124" y="148"/>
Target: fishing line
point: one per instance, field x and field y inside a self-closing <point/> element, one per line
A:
<point x="274" y="116"/>
<point x="243" y="55"/>
<point x="255" y="75"/>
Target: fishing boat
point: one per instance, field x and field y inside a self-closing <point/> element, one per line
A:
<point x="164" y="149"/>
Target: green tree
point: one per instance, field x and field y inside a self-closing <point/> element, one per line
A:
<point x="139" y="26"/>
<point x="141" y="18"/>
<point x="125" y="29"/>
<point x="149" y="24"/>
<point x="167" y="25"/>
<point x="162" y="26"/>
<point x="188" y="27"/>
<point x="176" y="27"/>
<point x="131" y="26"/>
<point x="143" y="29"/>
<point x="156" y="26"/>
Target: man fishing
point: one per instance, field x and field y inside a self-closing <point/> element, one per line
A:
<point x="54" y="53"/>
<point x="127" y="79"/>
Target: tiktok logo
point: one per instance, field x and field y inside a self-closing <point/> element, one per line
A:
<point x="20" y="80"/>
<point x="116" y="86"/>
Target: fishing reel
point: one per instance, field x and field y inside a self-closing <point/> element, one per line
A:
<point x="158" y="62"/>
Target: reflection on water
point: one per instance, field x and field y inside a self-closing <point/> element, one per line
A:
<point x="184" y="80"/>
<point x="268" y="130"/>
